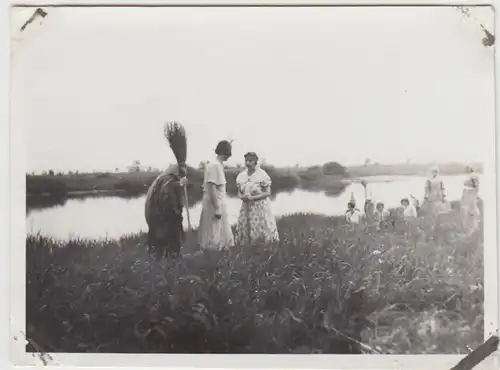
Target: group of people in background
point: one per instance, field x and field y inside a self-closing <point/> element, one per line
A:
<point x="256" y="222"/>
<point x="164" y="205"/>
<point x="434" y="204"/>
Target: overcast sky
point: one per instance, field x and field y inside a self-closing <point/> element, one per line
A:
<point x="93" y="86"/>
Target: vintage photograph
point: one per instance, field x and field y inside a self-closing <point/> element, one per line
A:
<point x="255" y="180"/>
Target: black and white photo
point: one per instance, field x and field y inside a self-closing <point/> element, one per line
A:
<point x="255" y="180"/>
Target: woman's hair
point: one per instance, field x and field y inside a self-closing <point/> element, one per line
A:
<point x="405" y="200"/>
<point x="251" y="156"/>
<point x="380" y="205"/>
<point x="351" y="205"/>
<point x="223" y="148"/>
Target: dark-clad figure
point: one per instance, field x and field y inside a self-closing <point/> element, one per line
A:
<point x="164" y="203"/>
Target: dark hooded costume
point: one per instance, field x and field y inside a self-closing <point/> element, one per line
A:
<point x="163" y="211"/>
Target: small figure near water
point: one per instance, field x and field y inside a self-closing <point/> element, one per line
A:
<point x="353" y="215"/>
<point x="369" y="212"/>
<point x="256" y="221"/>
<point x="215" y="230"/>
<point x="381" y="215"/>
<point x="163" y="211"/>
<point x="409" y="211"/>
<point x="469" y="203"/>
<point x="435" y="194"/>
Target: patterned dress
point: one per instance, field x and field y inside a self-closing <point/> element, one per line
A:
<point x="214" y="233"/>
<point x="256" y="221"/>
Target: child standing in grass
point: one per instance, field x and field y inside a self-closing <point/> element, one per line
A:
<point x="353" y="215"/>
<point x="381" y="215"/>
<point x="408" y="209"/>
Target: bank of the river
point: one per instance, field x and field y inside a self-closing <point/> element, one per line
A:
<point x="397" y="290"/>
<point x="137" y="183"/>
<point x="331" y="178"/>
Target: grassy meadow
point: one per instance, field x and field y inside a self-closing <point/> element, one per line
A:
<point x="327" y="287"/>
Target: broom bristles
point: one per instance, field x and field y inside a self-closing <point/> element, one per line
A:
<point x="176" y="136"/>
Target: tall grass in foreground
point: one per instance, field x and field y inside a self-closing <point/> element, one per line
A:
<point x="400" y="290"/>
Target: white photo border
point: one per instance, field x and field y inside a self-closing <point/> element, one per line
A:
<point x="17" y="250"/>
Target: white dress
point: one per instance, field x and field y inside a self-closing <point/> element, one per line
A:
<point x="214" y="233"/>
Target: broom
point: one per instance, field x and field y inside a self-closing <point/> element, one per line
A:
<point x="176" y="136"/>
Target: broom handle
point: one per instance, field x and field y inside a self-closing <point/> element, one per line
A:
<point x="187" y="207"/>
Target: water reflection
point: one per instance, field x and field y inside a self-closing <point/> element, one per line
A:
<point x="111" y="216"/>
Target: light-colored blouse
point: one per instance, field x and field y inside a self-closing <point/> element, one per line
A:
<point x="253" y="184"/>
<point x="354" y="216"/>
<point x="214" y="174"/>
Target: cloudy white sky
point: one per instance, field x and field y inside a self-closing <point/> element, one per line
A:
<point x="93" y="86"/>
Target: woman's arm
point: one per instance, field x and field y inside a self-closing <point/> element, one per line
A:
<point x="266" y="192"/>
<point x="212" y="192"/>
<point x="214" y="176"/>
<point x="240" y="193"/>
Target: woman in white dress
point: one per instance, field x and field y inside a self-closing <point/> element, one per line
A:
<point x="435" y="193"/>
<point x="256" y="221"/>
<point x="215" y="230"/>
<point x="469" y="203"/>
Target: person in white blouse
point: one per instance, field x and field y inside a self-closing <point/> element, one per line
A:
<point x="256" y="221"/>
<point x="353" y="215"/>
<point x="409" y="209"/>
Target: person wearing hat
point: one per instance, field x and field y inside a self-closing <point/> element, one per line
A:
<point x="256" y="221"/>
<point x="215" y="229"/>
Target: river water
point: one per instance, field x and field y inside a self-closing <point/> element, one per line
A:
<point x="112" y="217"/>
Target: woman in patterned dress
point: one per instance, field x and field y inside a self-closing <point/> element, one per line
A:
<point x="215" y="230"/>
<point x="256" y="221"/>
<point x="469" y="203"/>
